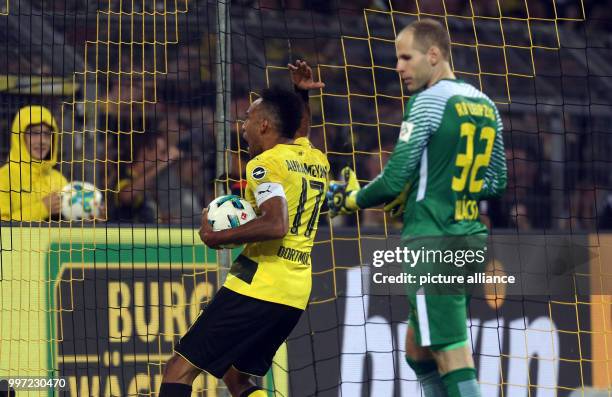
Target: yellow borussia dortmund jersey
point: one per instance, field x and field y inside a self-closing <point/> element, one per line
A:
<point x="279" y="270"/>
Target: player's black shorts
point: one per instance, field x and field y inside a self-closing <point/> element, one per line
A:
<point x="239" y="331"/>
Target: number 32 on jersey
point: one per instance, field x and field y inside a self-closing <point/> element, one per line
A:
<point x="469" y="165"/>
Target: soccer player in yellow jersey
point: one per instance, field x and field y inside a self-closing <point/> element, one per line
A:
<point x="269" y="284"/>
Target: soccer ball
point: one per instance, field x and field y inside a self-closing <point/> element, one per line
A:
<point x="81" y="200"/>
<point x="228" y="212"/>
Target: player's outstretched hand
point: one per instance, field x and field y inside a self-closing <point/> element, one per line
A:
<point x="301" y="75"/>
<point x="395" y="209"/>
<point x="342" y="195"/>
<point x="206" y="232"/>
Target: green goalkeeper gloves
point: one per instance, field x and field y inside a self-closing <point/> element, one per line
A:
<point x="342" y="195"/>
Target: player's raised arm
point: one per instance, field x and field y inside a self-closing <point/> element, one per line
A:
<point x="303" y="81"/>
<point x="272" y="224"/>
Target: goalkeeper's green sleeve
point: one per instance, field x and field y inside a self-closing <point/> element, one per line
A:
<point x="496" y="176"/>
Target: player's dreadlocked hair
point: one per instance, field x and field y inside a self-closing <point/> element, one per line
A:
<point x="285" y="109"/>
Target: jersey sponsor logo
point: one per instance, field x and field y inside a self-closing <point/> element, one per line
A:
<point x="406" y="131"/>
<point x="258" y="172"/>
<point x="293" y="255"/>
<point x="314" y="170"/>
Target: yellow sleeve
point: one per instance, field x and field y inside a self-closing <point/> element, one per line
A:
<point x="11" y="201"/>
<point x="10" y="207"/>
<point x="62" y="181"/>
<point x="263" y="170"/>
<point x="325" y="161"/>
<point x="5" y="194"/>
<point x="35" y="210"/>
<point x="260" y="170"/>
<point x="19" y="205"/>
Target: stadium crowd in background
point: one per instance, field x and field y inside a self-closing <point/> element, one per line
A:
<point x="137" y="201"/>
<point x="182" y="118"/>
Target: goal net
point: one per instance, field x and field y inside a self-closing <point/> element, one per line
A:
<point x="149" y="98"/>
<point x="536" y="60"/>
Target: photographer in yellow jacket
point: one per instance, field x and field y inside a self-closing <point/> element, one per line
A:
<point x="29" y="186"/>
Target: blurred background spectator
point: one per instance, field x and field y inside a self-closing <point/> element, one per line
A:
<point x="29" y="184"/>
<point x="184" y="199"/>
<point x="138" y="195"/>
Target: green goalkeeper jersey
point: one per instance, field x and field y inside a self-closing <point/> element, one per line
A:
<point x="451" y="152"/>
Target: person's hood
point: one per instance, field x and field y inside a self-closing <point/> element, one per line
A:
<point x="26" y="117"/>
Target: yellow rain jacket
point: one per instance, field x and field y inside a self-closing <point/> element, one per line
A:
<point x="23" y="181"/>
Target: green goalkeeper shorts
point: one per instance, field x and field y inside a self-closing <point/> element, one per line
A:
<point x="438" y="311"/>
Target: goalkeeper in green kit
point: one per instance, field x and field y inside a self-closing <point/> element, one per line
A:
<point x="449" y="155"/>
